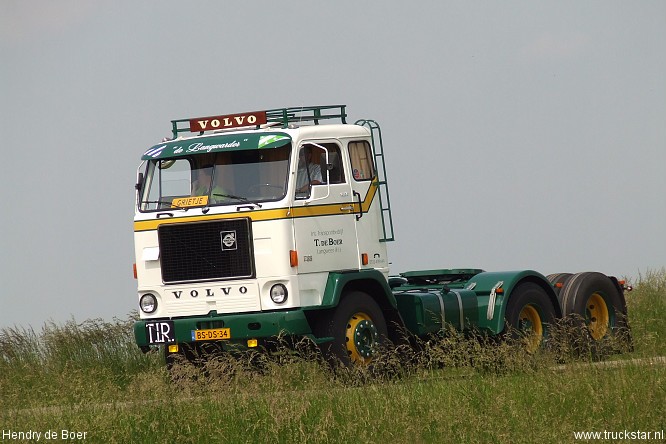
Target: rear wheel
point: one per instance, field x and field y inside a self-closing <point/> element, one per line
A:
<point x="593" y="299"/>
<point x="597" y="316"/>
<point x="358" y="329"/>
<point x="529" y="313"/>
<point x="558" y="280"/>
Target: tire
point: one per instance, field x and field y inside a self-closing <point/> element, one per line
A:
<point x="358" y="329"/>
<point x="558" y="280"/>
<point x="529" y="314"/>
<point x="594" y="300"/>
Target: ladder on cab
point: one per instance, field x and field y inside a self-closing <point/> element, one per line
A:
<point x="382" y="184"/>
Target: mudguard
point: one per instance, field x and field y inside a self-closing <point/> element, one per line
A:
<point x="372" y="282"/>
<point x="493" y="290"/>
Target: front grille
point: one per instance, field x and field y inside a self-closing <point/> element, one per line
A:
<point x="206" y="251"/>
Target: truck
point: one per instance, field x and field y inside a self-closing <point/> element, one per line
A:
<point x="255" y="226"/>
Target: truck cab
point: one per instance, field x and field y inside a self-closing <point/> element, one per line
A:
<point x="241" y="225"/>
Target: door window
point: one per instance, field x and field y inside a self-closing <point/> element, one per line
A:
<point x="313" y="168"/>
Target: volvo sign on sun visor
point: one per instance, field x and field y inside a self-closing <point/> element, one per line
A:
<point x="212" y="144"/>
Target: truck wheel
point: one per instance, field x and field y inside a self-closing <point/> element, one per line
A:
<point x="593" y="298"/>
<point x="558" y="280"/>
<point x="529" y="312"/>
<point x="358" y="328"/>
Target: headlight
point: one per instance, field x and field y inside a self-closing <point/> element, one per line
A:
<point x="279" y="294"/>
<point x="148" y="303"/>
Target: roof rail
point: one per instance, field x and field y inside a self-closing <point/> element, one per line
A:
<point x="281" y="116"/>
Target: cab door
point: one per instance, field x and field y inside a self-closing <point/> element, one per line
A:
<point x="323" y="212"/>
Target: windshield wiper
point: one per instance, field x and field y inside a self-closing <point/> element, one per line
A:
<point x="164" y="202"/>
<point x="242" y="199"/>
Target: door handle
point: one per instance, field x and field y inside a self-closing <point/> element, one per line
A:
<point x="360" y="206"/>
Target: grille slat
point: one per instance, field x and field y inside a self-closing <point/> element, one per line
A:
<point x="205" y="251"/>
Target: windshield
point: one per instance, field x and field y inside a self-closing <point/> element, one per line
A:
<point x="223" y="178"/>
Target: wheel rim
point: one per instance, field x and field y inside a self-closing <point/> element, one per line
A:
<point x="360" y="338"/>
<point x="597" y="317"/>
<point x="530" y="325"/>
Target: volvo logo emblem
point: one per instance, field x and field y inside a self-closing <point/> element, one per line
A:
<point x="228" y="240"/>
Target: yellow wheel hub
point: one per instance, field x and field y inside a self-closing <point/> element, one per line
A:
<point x="360" y="338"/>
<point x="531" y="326"/>
<point x="597" y="317"/>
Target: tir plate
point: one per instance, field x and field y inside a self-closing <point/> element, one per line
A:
<point x="160" y="332"/>
<point x="211" y="335"/>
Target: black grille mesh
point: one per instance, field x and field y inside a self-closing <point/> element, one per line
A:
<point x="196" y="251"/>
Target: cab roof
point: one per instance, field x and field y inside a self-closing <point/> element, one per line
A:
<point x="254" y="130"/>
<point x="280" y="117"/>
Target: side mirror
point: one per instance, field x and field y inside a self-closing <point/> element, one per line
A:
<point x="139" y="182"/>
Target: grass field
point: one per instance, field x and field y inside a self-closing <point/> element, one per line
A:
<point x="90" y="378"/>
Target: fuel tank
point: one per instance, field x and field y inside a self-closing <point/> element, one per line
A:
<point x="426" y="311"/>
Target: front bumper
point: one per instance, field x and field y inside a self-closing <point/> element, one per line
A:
<point x="242" y="326"/>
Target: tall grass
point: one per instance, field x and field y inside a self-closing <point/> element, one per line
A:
<point x="646" y="305"/>
<point x="91" y="377"/>
<point x="73" y="363"/>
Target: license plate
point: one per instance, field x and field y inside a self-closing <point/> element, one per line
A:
<point x="211" y="335"/>
<point x="160" y="332"/>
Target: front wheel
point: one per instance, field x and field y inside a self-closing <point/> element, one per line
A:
<point x="529" y="313"/>
<point x="358" y="329"/>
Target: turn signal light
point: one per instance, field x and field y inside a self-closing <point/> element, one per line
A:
<point x="624" y="285"/>
<point x="364" y="258"/>
<point x="134" y="267"/>
<point x="293" y="258"/>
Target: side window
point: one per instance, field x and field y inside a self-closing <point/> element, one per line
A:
<point x="313" y="169"/>
<point x="360" y="155"/>
<point x="309" y="171"/>
<point x="332" y="172"/>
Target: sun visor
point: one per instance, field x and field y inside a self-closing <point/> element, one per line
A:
<point x="216" y="143"/>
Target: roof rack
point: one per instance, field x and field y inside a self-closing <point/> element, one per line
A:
<point x="281" y="116"/>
